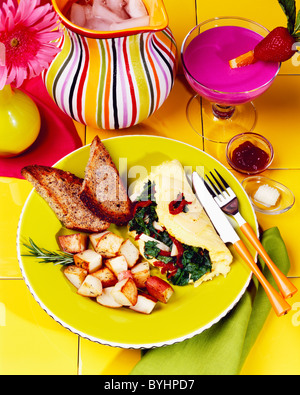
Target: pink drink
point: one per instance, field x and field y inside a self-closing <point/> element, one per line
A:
<point x="207" y="69"/>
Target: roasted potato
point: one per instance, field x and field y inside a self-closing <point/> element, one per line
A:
<point x="73" y="243"/>
<point x="159" y="288"/>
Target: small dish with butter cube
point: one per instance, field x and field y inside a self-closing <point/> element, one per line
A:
<point x="268" y="196"/>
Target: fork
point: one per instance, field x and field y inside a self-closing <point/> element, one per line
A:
<point x="228" y="202"/>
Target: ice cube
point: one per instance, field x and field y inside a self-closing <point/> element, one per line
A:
<point x="88" y="11"/>
<point x="131" y="23"/>
<point x="98" y="24"/>
<point x="117" y="6"/>
<point x="101" y="11"/>
<point x="77" y="14"/>
<point x="107" y="15"/>
<point x="136" y="8"/>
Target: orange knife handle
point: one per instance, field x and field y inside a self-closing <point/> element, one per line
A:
<point x="285" y="286"/>
<point x="280" y="306"/>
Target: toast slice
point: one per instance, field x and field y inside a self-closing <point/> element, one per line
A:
<point x="60" y="189"/>
<point x="103" y="191"/>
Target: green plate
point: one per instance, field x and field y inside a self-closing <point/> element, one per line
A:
<point x="190" y="310"/>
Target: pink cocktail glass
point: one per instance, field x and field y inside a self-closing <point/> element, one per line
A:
<point x="224" y="99"/>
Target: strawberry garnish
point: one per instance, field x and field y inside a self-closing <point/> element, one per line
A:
<point x="278" y="45"/>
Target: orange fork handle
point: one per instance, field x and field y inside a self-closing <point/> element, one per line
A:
<point x="280" y="305"/>
<point x="285" y="286"/>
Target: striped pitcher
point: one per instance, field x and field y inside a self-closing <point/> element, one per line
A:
<point x="113" y="82"/>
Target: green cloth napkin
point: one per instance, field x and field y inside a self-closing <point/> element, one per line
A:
<point x="222" y="349"/>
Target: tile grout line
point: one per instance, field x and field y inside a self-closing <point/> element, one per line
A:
<point x="11" y="278"/>
<point x="288" y="75"/>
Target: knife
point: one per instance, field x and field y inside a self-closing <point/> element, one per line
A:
<point x="229" y="235"/>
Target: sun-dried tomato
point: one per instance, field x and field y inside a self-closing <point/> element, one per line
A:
<point x="164" y="253"/>
<point x="177" y="205"/>
<point x="141" y="204"/>
<point x="166" y="267"/>
<point x="180" y="251"/>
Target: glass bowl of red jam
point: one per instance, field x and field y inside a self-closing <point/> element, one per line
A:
<point x="249" y="153"/>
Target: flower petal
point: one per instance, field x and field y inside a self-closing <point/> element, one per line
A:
<point x="21" y="76"/>
<point x="36" y="15"/>
<point x="3" y="76"/>
<point x="47" y="37"/>
<point x="38" y="26"/>
<point x="25" y="9"/>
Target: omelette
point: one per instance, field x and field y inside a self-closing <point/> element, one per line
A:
<point x="173" y="230"/>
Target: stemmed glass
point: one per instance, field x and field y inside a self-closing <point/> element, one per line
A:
<point x="223" y="105"/>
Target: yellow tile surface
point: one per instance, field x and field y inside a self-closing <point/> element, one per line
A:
<point x="13" y="193"/>
<point x="292" y="66"/>
<point x="287" y="222"/>
<point x="278" y="120"/>
<point x="182" y="17"/>
<point x="30" y="341"/>
<point x="97" y="359"/>
<point x="80" y="130"/>
<point x="268" y="13"/>
<point x="276" y="351"/>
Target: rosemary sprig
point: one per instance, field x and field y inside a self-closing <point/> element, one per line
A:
<point x="58" y="258"/>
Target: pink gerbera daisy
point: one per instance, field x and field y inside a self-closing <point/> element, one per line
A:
<point x="27" y="31"/>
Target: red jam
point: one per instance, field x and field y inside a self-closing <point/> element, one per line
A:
<point x="247" y="157"/>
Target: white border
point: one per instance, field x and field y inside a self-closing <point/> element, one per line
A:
<point x="125" y="345"/>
